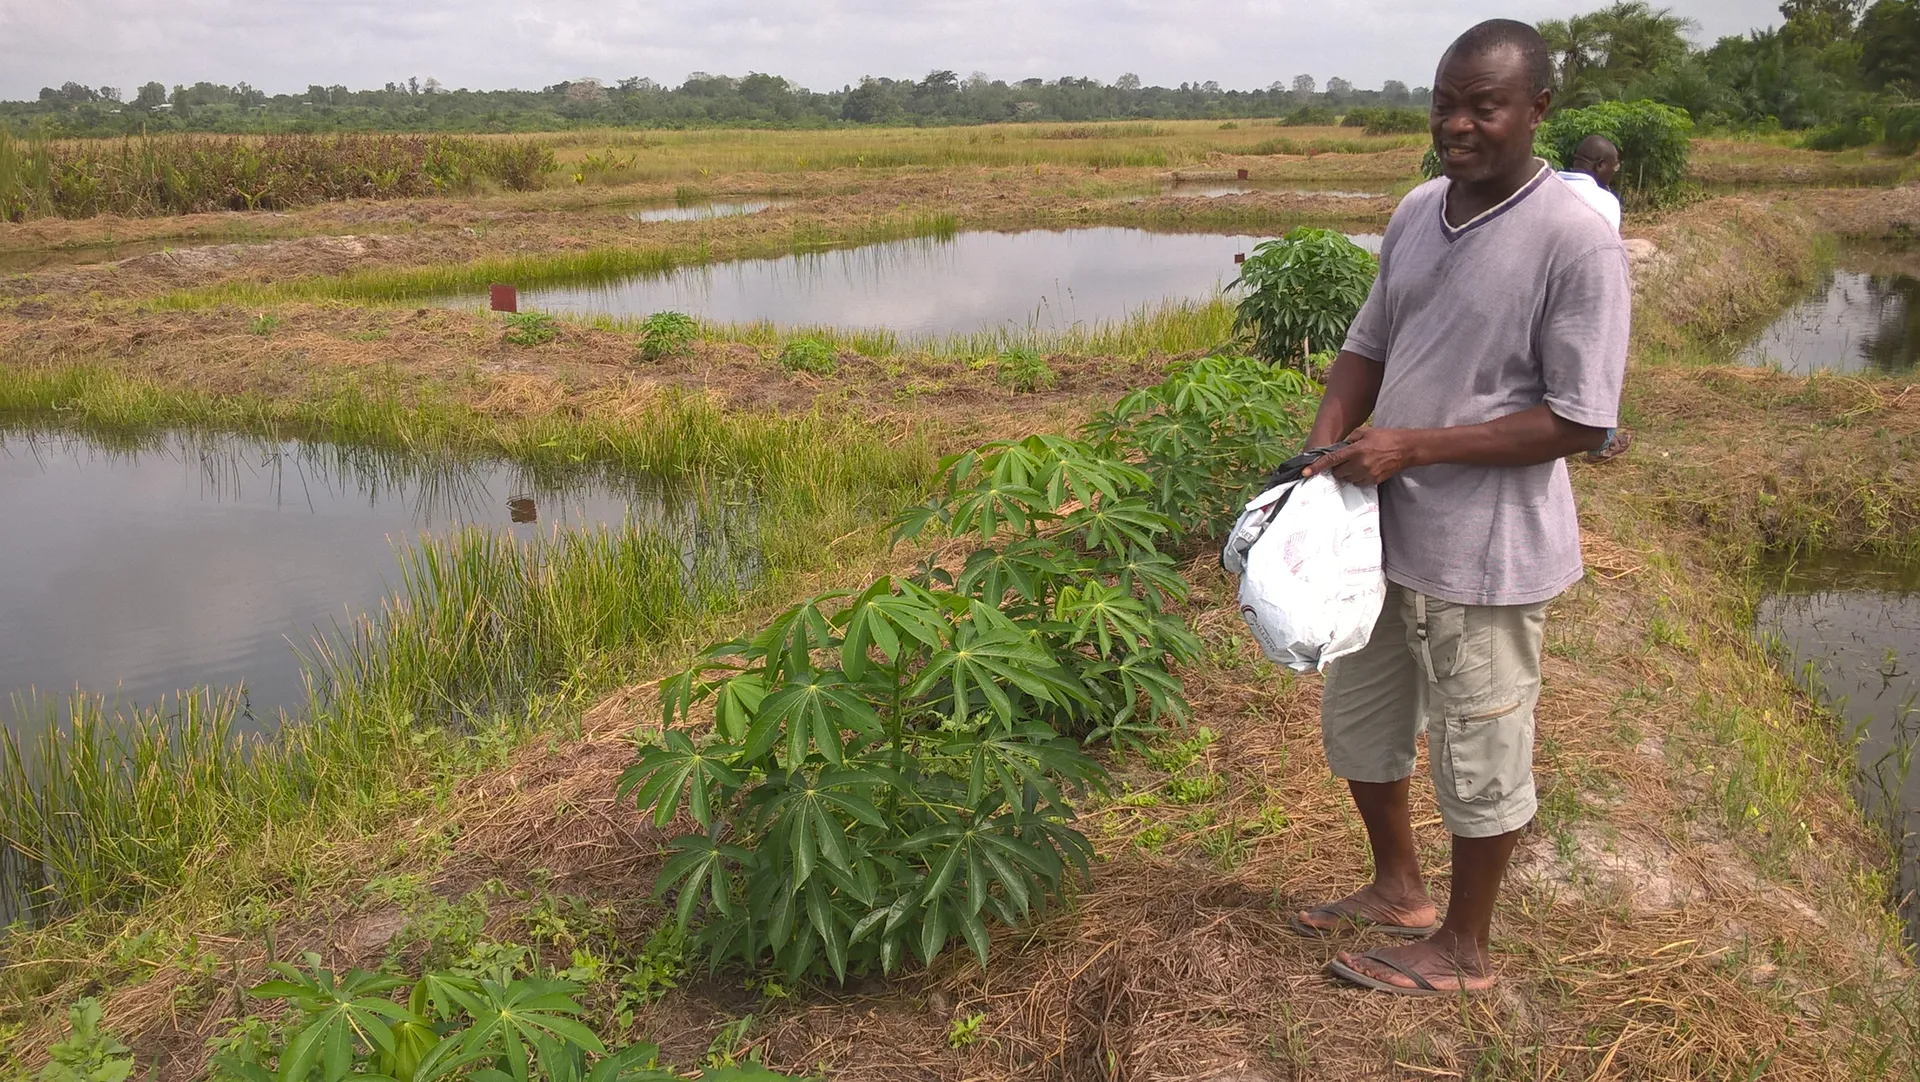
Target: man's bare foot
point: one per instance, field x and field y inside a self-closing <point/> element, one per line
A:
<point x="1447" y="965"/>
<point x="1413" y="914"/>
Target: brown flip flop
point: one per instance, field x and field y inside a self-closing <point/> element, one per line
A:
<point x="1422" y="987"/>
<point x="1404" y="931"/>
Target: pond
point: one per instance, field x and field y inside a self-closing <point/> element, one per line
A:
<point x="931" y="287"/>
<point x="1211" y="189"/>
<point x="1863" y="318"/>
<point x="198" y="560"/>
<point x="695" y="212"/>
<point x="1850" y="633"/>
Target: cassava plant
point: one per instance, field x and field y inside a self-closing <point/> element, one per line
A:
<point x="1300" y="292"/>
<point x="876" y="774"/>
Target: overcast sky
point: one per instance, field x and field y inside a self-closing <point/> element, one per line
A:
<point x="285" y="45"/>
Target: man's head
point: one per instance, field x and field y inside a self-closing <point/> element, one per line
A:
<point x="1597" y="157"/>
<point x="1489" y="95"/>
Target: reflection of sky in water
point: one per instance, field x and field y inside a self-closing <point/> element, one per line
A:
<point x="1850" y="322"/>
<point x="1186" y="189"/>
<point x="702" y="211"/>
<point x="202" y="560"/>
<point x="928" y="288"/>
<point x="1854" y="634"/>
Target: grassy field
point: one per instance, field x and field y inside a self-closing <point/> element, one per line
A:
<point x="1702" y="898"/>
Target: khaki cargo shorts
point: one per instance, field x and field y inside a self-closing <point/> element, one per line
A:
<point x="1469" y="675"/>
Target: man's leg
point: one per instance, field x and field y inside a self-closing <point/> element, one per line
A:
<point x="1369" y="718"/>
<point x="1482" y="666"/>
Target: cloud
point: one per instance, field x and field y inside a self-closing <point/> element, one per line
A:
<point x="285" y="45"/>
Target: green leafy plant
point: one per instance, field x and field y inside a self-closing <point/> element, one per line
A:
<point x="90" y="1053"/>
<point x="965" y="1031"/>
<point x="1023" y="371"/>
<point x="530" y="329"/>
<point x="1206" y="434"/>
<point x="1301" y="290"/>
<point x="263" y="324"/>
<point x="809" y="355"/>
<point x="664" y="334"/>
<point x="497" y="1027"/>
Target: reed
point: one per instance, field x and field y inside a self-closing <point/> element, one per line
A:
<point x="186" y="174"/>
<point x="486" y="637"/>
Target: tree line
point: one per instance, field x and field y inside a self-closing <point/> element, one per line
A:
<point x="703" y="100"/>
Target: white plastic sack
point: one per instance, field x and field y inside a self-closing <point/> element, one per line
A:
<point x="1311" y="583"/>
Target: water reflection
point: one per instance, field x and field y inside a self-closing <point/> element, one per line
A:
<point x="1850" y="632"/>
<point x="1185" y="189"/>
<point x="1851" y="322"/>
<point x="694" y="212"/>
<point x="933" y="287"/>
<point x="198" y="560"/>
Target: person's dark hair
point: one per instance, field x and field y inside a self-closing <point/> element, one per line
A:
<point x="1496" y="34"/>
<point x="1593" y="146"/>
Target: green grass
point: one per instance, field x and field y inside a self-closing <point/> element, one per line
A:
<point x="588" y="267"/>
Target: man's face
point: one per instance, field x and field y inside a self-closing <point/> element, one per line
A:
<point x="1484" y="113"/>
<point x="1600" y="166"/>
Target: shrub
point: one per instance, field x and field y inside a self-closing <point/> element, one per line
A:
<point x="89" y="1054"/>
<point x="530" y="329"/>
<point x="1385" y="120"/>
<point x="809" y="355"/>
<point x="1654" y="142"/>
<point x="1301" y="289"/>
<point x="1310" y="116"/>
<point x="663" y="334"/>
<point x="873" y="775"/>
<point x="1023" y="371"/>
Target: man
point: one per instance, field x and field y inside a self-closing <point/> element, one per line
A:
<point x="1492" y="346"/>
<point x="1590" y="175"/>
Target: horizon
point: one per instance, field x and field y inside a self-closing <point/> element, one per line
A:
<point x="112" y="43"/>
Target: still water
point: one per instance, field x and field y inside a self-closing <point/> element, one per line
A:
<point x="932" y="287"/>
<point x="206" y="560"/>
<point x="1851" y="634"/>
<point x="1855" y="321"/>
<point x="696" y="212"/>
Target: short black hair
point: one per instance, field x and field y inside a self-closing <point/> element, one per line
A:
<point x="1596" y="144"/>
<point x="1496" y="34"/>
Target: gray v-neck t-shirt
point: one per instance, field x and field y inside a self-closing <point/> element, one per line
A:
<point x="1528" y="303"/>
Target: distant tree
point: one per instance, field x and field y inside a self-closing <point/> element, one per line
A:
<point x="867" y="103"/>
<point x="110" y="93"/>
<point x="150" y="95"/>
<point x="1339" y="89"/>
<point x="431" y="86"/>
<point x="1889" y="39"/>
<point x="1211" y="86"/>
<point x="938" y="84"/>
<point x="1597" y="53"/>
<point x="1128" y="82"/>
<point x="1816" y="24"/>
<point x="1394" y="92"/>
<point x="1303" y="84"/>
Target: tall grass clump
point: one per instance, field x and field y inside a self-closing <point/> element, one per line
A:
<point x="185" y="174"/>
<point x="486" y="636"/>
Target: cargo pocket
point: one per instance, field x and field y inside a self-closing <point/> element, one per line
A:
<point x="1454" y="646"/>
<point x="1489" y="751"/>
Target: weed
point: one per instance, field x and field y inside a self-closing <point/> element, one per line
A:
<point x="659" y="969"/>
<point x="263" y="324"/>
<point x="965" y="1031"/>
<point x="1154" y="838"/>
<point x="1196" y="789"/>
<point x="89" y="1054"/>
<point x="530" y="329"/>
<point x="724" y="1049"/>
<point x="809" y="355"/>
<point x="664" y="334"/>
<point x="1023" y="371"/>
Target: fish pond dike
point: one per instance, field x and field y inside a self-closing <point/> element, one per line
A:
<point x="1849" y="632"/>
<point x="928" y="288"/>
<point x="1860" y="318"/>
<point x="192" y="596"/>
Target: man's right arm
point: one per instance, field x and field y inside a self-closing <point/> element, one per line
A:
<point x="1353" y="385"/>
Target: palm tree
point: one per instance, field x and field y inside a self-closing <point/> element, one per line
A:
<point x="1576" y="45"/>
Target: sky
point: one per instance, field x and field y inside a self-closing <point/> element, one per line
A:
<point x="285" y="45"/>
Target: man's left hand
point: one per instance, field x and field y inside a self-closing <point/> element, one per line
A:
<point x="1372" y="455"/>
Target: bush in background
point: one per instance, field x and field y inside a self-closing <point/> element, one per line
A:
<point x="1300" y="292"/>
<point x="1385" y="120"/>
<point x="1654" y="142"/>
